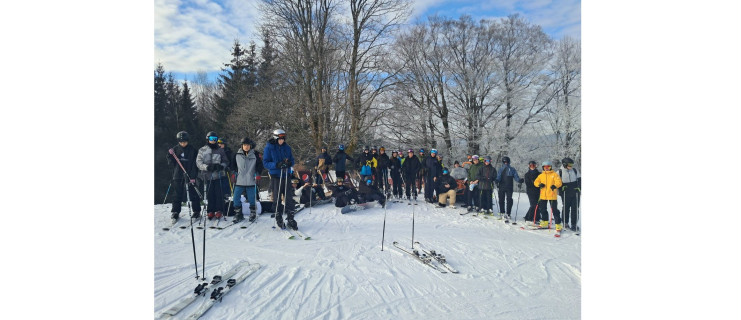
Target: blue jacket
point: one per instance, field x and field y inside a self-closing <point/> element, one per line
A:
<point x="507" y="176"/>
<point x="274" y="154"/>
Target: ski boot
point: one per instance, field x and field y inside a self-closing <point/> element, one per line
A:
<point x="238" y="217"/>
<point x="292" y="224"/>
<point x="175" y="216"/>
<point x="280" y="224"/>
<point x="452" y="206"/>
<point x="218" y="215"/>
<point x="210" y="215"/>
<point x="253" y="216"/>
<point x="196" y="215"/>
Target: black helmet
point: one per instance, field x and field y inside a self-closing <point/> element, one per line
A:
<point x="505" y="160"/>
<point x="566" y="161"/>
<point x="366" y="148"/>
<point x="211" y="134"/>
<point x="249" y="141"/>
<point x="532" y="162"/>
<point x="182" y="136"/>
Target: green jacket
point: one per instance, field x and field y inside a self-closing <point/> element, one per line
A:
<point x="473" y="171"/>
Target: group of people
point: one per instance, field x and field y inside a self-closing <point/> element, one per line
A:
<point x="409" y="176"/>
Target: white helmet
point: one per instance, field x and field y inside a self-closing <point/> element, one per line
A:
<point x="279" y="133"/>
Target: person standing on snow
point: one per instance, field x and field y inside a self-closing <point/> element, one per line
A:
<point x="421" y="175"/>
<point x="322" y="166"/>
<point x="382" y="164"/>
<point x="226" y="183"/>
<point x="339" y="161"/>
<point x="212" y="161"/>
<point x="368" y="161"/>
<point x="533" y="192"/>
<point x="248" y="166"/>
<point x="485" y="181"/>
<point x="433" y="170"/>
<point x="506" y="178"/>
<point x="473" y="193"/>
<point x="187" y="154"/>
<point x="395" y="173"/>
<point x="571" y="189"/>
<point x="278" y="159"/>
<point x="410" y="171"/>
<point x="548" y="182"/>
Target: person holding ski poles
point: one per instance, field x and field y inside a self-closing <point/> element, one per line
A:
<point x="506" y="178"/>
<point x="212" y="161"/>
<point x="533" y="192"/>
<point x="395" y="173"/>
<point x="278" y="159"/>
<point x="548" y="182"/>
<point x="187" y="154"/>
<point x="571" y="189"/>
<point x="410" y="171"/>
<point x="248" y="168"/>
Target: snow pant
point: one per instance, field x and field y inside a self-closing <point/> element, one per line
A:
<point x="570" y="207"/>
<point x="420" y="178"/>
<point x="485" y="199"/>
<point x="215" y="196"/>
<point x="502" y="194"/>
<point x="179" y="196"/>
<point x="542" y="208"/>
<point x="279" y="188"/>
<point x="409" y="185"/>
<point x="472" y="196"/>
<point x="376" y="196"/>
<point x="380" y="181"/>
<point x="396" y="185"/>
<point x="442" y="197"/>
<point x="340" y="174"/>
<point x="533" y="198"/>
<point x="225" y="189"/>
<point x="249" y="193"/>
<point x="430" y="186"/>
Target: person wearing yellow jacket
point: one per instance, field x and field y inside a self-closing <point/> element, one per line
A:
<point x="548" y="182"/>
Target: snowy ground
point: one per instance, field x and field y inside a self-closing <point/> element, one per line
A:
<point x="505" y="272"/>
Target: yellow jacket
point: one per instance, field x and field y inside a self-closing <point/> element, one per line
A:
<point x="549" y="178"/>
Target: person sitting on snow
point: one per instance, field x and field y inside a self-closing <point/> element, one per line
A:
<point x="343" y="195"/>
<point x="368" y="192"/>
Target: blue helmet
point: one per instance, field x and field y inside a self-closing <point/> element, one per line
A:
<point x="341" y="147"/>
<point x="368" y="182"/>
<point x="445" y="171"/>
<point x="433" y="151"/>
<point x="422" y="150"/>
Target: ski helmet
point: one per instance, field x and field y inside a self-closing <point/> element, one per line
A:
<point x="212" y="136"/>
<point x="394" y="152"/>
<point x="532" y="162"/>
<point x="445" y="171"/>
<point x="249" y="141"/>
<point x="422" y="150"/>
<point x="487" y="158"/>
<point x="279" y="133"/>
<point x="433" y="151"/>
<point x="368" y="182"/>
<point x="410" y="151"/>
<point x="547" y="163"/>
<point x="566" y="161"/>
<point x="340" y="180"/>
<point x="475" y="157"/>
<point x="366" y="148"/>
<point x="505" y="160"/>
<point x="374" y="148"/>
<point x="182" y="136"/>
<point x="341" y="147"/>
<point x="221" y="141"/>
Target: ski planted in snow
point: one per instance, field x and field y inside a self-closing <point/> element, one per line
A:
<point x="218" y="293"/>
<point x="424" y="258"/>
<point x="439" y="257"/>
<point x="200" y="290"/>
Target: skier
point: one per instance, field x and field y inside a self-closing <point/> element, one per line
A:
<point x="548" y="182"/>
<point x="367" y="192"/>
<point x="382" y="164"/>
<point x="339" y="161"/>
<point x="395" y="172"/>
<point x="571" y="188"/>
<point x="249" y="165"/>
<point x="322" y="166"/>
<point x="433" y="169"/>
<point x="187" y="154"/>
<point x="212" y="161"/>
<point x="506" y="178"/>
<point x="410" y="171"/>
<point x="473" y="193"/>
<point x="421" y="174"/>
<point x="446" y="189"/>
<point x="226" y="182"/>
<point x="278" y="159"/>
<point x="533" y="192"/>
<point x="366" y="164"/>
<point x="485" y="181"/>
<point x="343" y="195"/>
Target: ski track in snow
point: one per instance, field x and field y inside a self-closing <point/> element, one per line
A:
<point x="341" y="273"/>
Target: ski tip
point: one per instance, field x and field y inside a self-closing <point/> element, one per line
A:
<point x="307" y="238"/>
<point x="165" y="229"/>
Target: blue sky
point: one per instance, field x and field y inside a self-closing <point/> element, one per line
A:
<point x="196" y="35"/>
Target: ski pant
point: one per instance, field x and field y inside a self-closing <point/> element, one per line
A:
<point x="225" y="188"/>
<point x="533" y="198"/>
<point x="409" y="185"/>
<point x="450" y="194"/>
<point x="179" y="196"/>
<point x="472" y="196"/>
<point x="367" y="197"/>
<point x="340" y="174"/>
<point x="420" y="178"/>
<point x="485" y="199"/>
<point x="248" y="191"/>
<point x="502" y="194"/>
<point x="396" y="185"/>
<point x="430" y="186"/>
<point x="542" y="208"/>
<point x="215" y="196"/>
<point x="570" y="210"/>
<point x="279" y="188"/>
<point x="380" y="181"/>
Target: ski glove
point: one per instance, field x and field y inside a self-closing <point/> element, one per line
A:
<point x="553" y="187"/>
<point x="542" y="185"/>
<point x="522" y="180"/>
<point x="519" y="185"/>
<point x="193" y="181"/>
<point x="218" y="167"/>
<point x="210" y="168"/>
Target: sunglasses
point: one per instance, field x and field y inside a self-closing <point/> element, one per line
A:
<point x="213" y="138"/>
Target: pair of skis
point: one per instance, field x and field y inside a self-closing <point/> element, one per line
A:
<point x="426" y="257"/>
<point x="290" y="234"/>
<point x="216" y="294"/>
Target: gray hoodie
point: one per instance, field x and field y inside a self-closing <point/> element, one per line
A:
<point x="246" y="167"/>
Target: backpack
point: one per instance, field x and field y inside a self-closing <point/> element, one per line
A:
<point x="365" y="170"/>
<point x="560" y="174"/>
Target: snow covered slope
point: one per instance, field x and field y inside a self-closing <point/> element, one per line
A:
<point x="504" y="272"/>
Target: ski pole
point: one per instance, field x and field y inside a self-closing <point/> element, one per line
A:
<point x="413" y="223"/>
<point x="192" y="236"/>
<point x="383" y="235"/>
<point x="285" y="195"/>
<point x="578" y="195"/>
<point x="519" y="193"/>
<point x="276" y="194"/>
<point x="166" y="193"/>
<point x="311" y="191"/>
<point x="172" y="152"/>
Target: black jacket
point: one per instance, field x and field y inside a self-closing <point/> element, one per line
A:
<point x="410" y="168"/>
<point x="433" y="168"/>
<point x="486" y="177"/>
<point x="187" y="157"/>
<point x="530" y="177"/>
<point x="383" y="161"/>
<point x="339" y="160"/>
<point x="446" y="179"/>
<point x="395" y="167"/>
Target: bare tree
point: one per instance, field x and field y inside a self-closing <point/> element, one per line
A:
<point x="565" y="113"/>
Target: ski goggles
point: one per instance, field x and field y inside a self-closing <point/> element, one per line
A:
<point x="487" y="161"/>
<point x="212" y="138"/>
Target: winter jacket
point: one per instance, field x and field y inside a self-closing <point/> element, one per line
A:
<point x="432" y="167"/>
<point x="383" y="161"/>
<point x="343" y="195"/>
<point x="486" y="176"/>
<point x="446" y="179"/>
<point x="339" y="160"/>
<point x="530" y="177"/>
<point x="323" y="161"/>
<point x="570" y="178"/>
<point x="410" y="168"/>
<point x="473" y="171"/>
<point x="459" y="173"/>
<point x="549" y="178"/>
<point x="366" y="158"/>
<point x="187" y="157"/>
<point x="506" y="177"/>
<point x="395" y="168"/>
<point x="211" y="154"/>
<point x="274" y="154"/>
<point x="231" y="156"/>
<point x="247" y="166"/>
